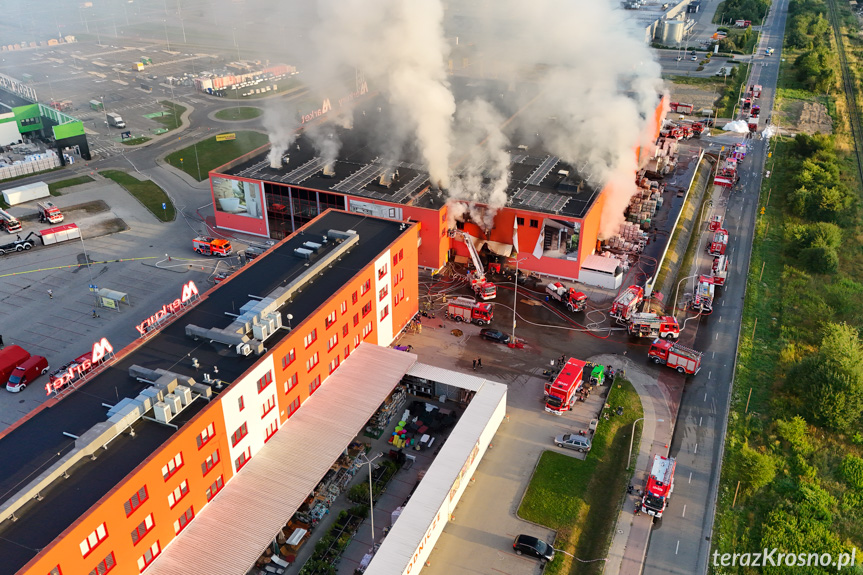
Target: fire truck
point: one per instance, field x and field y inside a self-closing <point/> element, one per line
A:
<point x="747" y="102"/>
<point x="9" y="222"/>
<point x="48" y="212"/>
<point x="660" y="484"/>
<point x="560" y="393"/>
<point x="702" y="300"/>
<point x="470" y="310"/>
<point x="720" y="270"/>
<point x="752" y="123"/>
<point x="483" y="288"/>
<point x="681" y="108"/>
<point x="727" y="174"/>
<point x="755" y="90"/>
<point x="756" y="110"/>
<point x="674" y="355"/>
<point x="211" y="246"/>
<point x="653" y="325"/>
<point x="717" y="246"/>
<point x="715" y="224"/>
<point x="572" y="299"/>
<point x="626" y="303"/>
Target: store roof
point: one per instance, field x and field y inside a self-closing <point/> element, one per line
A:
<point x="251" y="509"/>
<point x="35" y="445"/>
<point x="539" y="181"/>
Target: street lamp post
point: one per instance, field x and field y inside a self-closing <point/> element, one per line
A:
<point x="371" y="500"/>
<point x="632" y="438"/>
<point x="89" y="271"/>
<point x="515" y="299"/>
<point x="167" y="40"/>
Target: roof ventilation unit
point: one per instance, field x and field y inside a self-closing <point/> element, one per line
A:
<point x="162" y="411"/>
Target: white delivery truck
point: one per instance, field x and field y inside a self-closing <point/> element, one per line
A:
<point x="115" y="120"/>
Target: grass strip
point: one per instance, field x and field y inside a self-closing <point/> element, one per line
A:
<point x="146" y="192"/>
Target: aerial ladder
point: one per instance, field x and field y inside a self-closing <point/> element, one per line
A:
<point x="483" y="288"/>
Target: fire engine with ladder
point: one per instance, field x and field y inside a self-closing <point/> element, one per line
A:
<point x="469" y="310"/>
<point x="675" y="356"/>
<point x="702" y="299"/>
<point x="660" y="484"/>
<point x="653" y="325"/>
<point x="483" y="288"/>
<point x="574" y="301"/>
<point x="9" y="222"/>
<point x="720" y="270"/>
<point x="626" y="303"/>
<point x="211" y="246"/>
<point x="717" y="245"/>
<point x="560" y="394"/>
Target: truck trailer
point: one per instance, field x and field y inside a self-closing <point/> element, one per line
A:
<point x="560" y="394"/>
<point x="674" y="355"/>
<point x="469" y="310"/>
<point x="572" y="299"/>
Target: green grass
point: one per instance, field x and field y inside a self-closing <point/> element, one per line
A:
<point x="212" y="154"/>
<point x="581" y="499"/>
<point x="55" y="187"/>
<point x="239" y="114"/>
<point x="172" y="120"/>
<point x="733" y="91"/>
<point x="135" y="141"/>
<point x="146" y="192"/>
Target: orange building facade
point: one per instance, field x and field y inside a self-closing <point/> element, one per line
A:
<point x="130" y="525"/>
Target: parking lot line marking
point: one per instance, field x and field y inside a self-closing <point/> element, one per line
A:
<point x="696" y="449"/>
<point x="684" y="511"/>
<point x="676" y="549"/>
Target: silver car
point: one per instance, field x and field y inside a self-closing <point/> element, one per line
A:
<point x="573" y="441"/>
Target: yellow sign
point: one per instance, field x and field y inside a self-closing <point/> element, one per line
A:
<point x="108" y="303"/>
<point x="226" y="137"/>
<point x="762" y="211"/>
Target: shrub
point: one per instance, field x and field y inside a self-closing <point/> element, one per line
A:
<point x="755" y="469"/>
<point x="794" y="433"/>
<point x="852" y="471"/>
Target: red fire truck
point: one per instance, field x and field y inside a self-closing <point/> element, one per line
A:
<point x="48" y="212"/>
<point x="715" y="223"/>
<point x="560" y="393"/>
<point x="672" y="354"/>
<point x="211" y="246"/>
<point x="755" y="90"/>
<point x="470" y="310"/>
<point x="702" y="300"/>
<point x="717" y="246"/>
<point x="572" y="299"/>
<point x="680" y="107"/>
<point x="653" y="325"/>
<point x="720" y="270"/>
<point x="9" y="222"/>
<point x="660" y="484"/>
<point x="627" y="302"/>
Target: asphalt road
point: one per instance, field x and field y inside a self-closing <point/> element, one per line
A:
<point x="681" y="542"/>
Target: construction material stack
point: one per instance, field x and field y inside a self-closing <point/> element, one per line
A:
<point x="653" y="325"/>
<point x="675" y="356"/>
<point x="469" y="310"/>
<point x="560" y="394"/>
<point x="660" y="484"/>
<point x="626" y="303"/>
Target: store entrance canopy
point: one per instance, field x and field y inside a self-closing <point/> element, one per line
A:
<point x="231" y="532"/>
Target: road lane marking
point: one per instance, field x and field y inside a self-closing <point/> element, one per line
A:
<point x="713" y="356"/>
<point x="723" y="303"/>
<point x="709" y="373"/>
<point x="720" y="319"/>
<point x="676" y="549"/>
<point x="699" y="420"/>
<point x="684" y="511"/>
<point x="690" y="477"/>
<point x="696" y="449"/>
<point x="705" y="396"/>
<point x="717" y="336"/>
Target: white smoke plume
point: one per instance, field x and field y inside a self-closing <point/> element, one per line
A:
<point x="326" y="140"/>
<point x="282" y="123"/>
<point x="400" y="48"/>
<point x="482" y="156"/>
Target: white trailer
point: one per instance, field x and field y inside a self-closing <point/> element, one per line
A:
<point x="26" y="193"/>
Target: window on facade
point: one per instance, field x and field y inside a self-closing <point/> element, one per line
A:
<point x="356" y="341"/>
<point x="365" y="287"/>
<point x="178" y="493"/>
<point x="142" y="529"/>
<point x="534" y="223"/>
<point x="367" y="309"/>
<point x="271" y="430"/>
<point x="266" y="380"/>
<point x="291" y="383"/>
<point x="104" y="565"/>
<point x="210" y="462"/>
<point x="314" y="385"/>
<point x="385" y="312"/>
<point x="205" y="436"/>
<point x="347" y="351"/>
<point x="383" y="293"/>
<point x="241" y="404"/>
<point x="136" y="500"/>
<point x="334" y="364"/>
<point x="331" y="343"/>
<point x="93" y="540"/>
<point x="293" y="407"/>
<point x="312" y="362"/>
<point x="519" y="221"/>
<point x="310" y="339"/>
<point x="344" y="308"/>
<point x="172" y="466"/>
<point x="382" y="271"/>
<point x="401" y="254"/>
<point x="356" y="319"/>
<point x="395" y="259"/>
<point x="345" y="330"/>
<point x="55" y="571"/>
<point x="331" y="319"/>
<point x="149" y="556"/>
<point x="367" y="330"/>
<point x="215" y="488"/>
<point x="243" y="458"/>
<point x="289" y="358"/>
<point x="268" y="406"/>
<point x="184" y="520"/>
<point x="239" y="435"/>
<point x="354" y="297"/>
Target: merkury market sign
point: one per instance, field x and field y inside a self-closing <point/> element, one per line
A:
<point x="190" y="290"/>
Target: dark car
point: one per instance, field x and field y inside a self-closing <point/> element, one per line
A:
<point x="494" y="335"/>
<point x="529" y="545"/>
